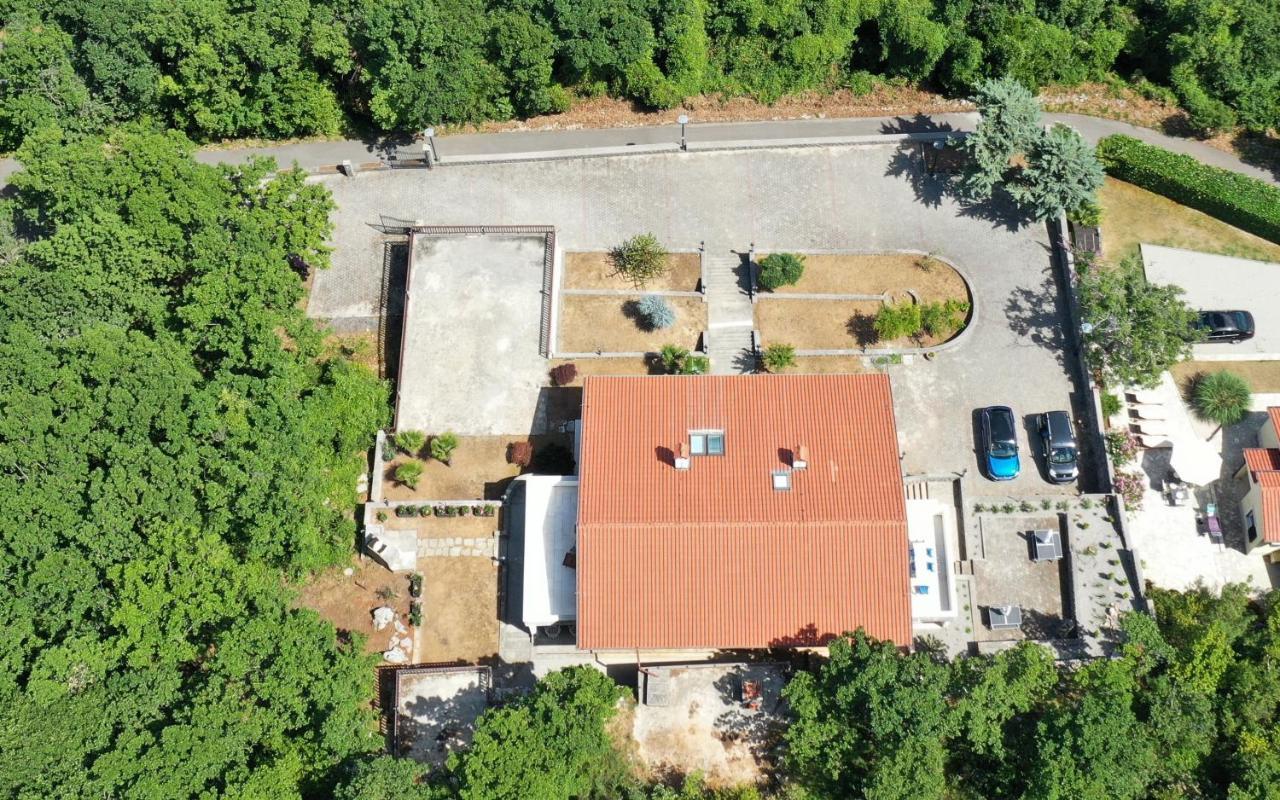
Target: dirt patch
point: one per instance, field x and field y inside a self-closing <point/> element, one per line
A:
<point x="1115" y="102"/>
<point x="444" y="527"/>
<point x="592" y="323"/>
<point x="1131" y="215"/>
<point x="1263" y="376"/>
<point x="827" y="365"/>
<point x="596" y="271"/>
<point x="816" y="324"/>
<point x="348" y="601"/>
<point x="605" y="366"/>
<point x="930" y="278"/>
<point x="459" y="610"/>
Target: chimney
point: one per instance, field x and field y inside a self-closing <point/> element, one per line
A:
<point x="682" y="456"/>
<point x="800" y="457"/>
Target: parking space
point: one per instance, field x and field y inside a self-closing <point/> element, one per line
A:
<point x="1222" y="283"/>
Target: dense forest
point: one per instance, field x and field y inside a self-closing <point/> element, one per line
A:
<point x="217" y="69"/>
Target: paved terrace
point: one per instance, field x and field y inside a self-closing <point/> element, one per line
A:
<point x="859" y="198"/>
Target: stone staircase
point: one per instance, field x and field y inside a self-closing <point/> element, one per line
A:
<point x="730" y="316"/>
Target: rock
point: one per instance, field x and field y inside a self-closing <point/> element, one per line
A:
<point x="348" y="572"/>
<point x="395" y="656"/>
<point x="382" y="617"/>
<point x="400" y="628"/>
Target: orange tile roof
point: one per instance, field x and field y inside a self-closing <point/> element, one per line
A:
<point x="713" y="556"/>
<point x="1262" y="459"/>
<point x="1273" y="413"/>
<point x="1269" y="485"/>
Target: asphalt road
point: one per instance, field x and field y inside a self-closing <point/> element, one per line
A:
<point x="313" y="156"/>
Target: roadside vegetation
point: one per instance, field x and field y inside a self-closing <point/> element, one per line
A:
<point x="277" y="70"/>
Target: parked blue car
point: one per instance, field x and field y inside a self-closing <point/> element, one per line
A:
<point x="1000" y="443"/>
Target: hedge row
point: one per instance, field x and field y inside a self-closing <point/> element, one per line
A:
<point x="1247" y="203"/>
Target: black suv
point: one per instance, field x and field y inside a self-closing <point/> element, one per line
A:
<point x="1058" y="444"/>
<point x="1226" y="326"/>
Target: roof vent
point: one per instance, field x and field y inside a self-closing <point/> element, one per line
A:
<point x="781" y="481"/>
<point x="682" y="456"/>
<point x="800" y="457"/>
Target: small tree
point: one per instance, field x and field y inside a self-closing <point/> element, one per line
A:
<point x="656" y="313"/>
<point x="778" y="357"/>
<point x="1122" y="446"/>
<point x="520" y="453"/>
<point x="1135" y="330"/>
<point x="1009" y="126"/>
<point x="941" y="319"/>
<point x="410" y="441"/>
<point x="780" y="269"/>
<point x="696" y="365"/>
<point x="563" y="374"/>
<point x="677" y="360"/>
<point x="443" y="445"/>
<point x="640" y="258"/>
<point x="409" y="473"/>
<point x="1222" y="397"/>
<point x="1062" y="173"/>
<point x="898" y="321"/>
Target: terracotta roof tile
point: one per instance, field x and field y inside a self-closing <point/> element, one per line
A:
<point x="1273" y="413"/>
<point x="713" y="556"/>
<point x="1262" y="459"/>
<point x="1269" y="485"/>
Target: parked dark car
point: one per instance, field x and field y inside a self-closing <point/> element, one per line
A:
<point x="999" y="443"/>
<point x="1058" y="444"/>
<point x="1226" y="326"/>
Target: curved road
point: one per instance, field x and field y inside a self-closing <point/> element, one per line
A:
<point x="510" y="145"/>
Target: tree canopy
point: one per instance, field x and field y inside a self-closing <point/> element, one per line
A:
<point x="215" y="69"/>
<point x="173" y="439"/>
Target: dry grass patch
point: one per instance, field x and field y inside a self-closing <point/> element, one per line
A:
<point x="817" y="324"/>
<point x="444" y="527"/>
<point x="459" y="610"/>
<point x="1263" y="377"/>
<point x="593" y="323"/>
<point x="828" y="365"/>
<point x="478" y="470"/>
<point x="931" y="278"/>
<point x="348" y="601"/>
<point x="1131" y="215"/>
<point x="605" y="366"/>
<point x="596" y="271"/>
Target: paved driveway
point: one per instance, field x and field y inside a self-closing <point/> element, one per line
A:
<point x="867" y="198"/>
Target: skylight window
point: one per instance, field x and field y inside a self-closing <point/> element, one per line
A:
<point x="782" y="481"/>
<point x="706" y="443"/>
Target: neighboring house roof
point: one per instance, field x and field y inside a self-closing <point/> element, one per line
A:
<point x="1273" y="415"/>
<point x="1264" y="464"/>
<point x="714" y="556"/>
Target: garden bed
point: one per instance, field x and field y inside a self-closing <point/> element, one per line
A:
<point x="608" y="324"/>
<point x="433" y="527"/>
<point x="596" y="271"/>
<point x="878" y="274"/>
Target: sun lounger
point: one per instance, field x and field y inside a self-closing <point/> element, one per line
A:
<point x="1149" y="412"/>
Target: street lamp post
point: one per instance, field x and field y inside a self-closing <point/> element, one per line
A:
<point x="683" y="119"/>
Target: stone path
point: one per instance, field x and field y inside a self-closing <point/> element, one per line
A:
<point x="457" y="546"/>
<point x="730" y="316"/>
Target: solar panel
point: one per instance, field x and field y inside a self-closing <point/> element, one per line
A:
<point x="1048" y="545"/>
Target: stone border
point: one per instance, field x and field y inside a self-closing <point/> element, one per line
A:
<point x="951" y="344"/>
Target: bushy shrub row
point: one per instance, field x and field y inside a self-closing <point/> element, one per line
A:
<point x="1245" y="202"/>
<point x="478" y="510"/>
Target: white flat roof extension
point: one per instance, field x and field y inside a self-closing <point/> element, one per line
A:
<point x="550" y="532"/>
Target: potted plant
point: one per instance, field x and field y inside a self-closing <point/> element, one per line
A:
<point x="415" y="613"/>
<point x="415" y="584"/>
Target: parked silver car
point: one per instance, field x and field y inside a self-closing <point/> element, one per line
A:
<point x="1058" y="444"/>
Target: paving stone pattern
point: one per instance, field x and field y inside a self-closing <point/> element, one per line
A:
<point x="458" y="546"/>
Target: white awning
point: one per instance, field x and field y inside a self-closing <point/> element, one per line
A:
<point x="550" y="536"/>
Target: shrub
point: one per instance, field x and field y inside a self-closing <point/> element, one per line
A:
<point x="415" y="613"/>
<point x="410" y="442"/>
<point x="780" y="269"/>
<point x="1242" y="201"/>
<point x="409" y="473"/>
<point x="440" y="511"/>
<point x="778" y="357"/>
<point x="1110" y="404"/>
<point x="464" y="511"/>
<point x="520" y="453"/>
<point x="563" y="374"/>
<point x="424" y="511"/>
<point x="898" y="321"/>
<point x="1222" y="397"/>
<point x="1129" y="485"/>
<point x="1087" y="213"/>
<point x="640" y="258"/>
<point x="478" y="511"/>
<point x="942" y="319"/>
<point x="490" y="510"/>
<point x="676" y="360"/>
<point x="405" y="511"/>
<point x="1121" y="446"/>
<point x="443" y="445"/>
<point x="656" y="313"/>
<point x="381" y="516"/>
<point x="415" y="584"/>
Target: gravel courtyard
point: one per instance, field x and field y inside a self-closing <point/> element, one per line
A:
<point x="856" y="198"/>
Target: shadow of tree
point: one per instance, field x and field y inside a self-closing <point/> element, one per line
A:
<point x="908" y="163"/>
<point x="759" y="730"/>
<point x="1033" y="314"/>
<point x="862" y="327"/>
<point x="746" y="362"/>
<point x="917" y="123"/>
<point x="1259" y="150"/>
